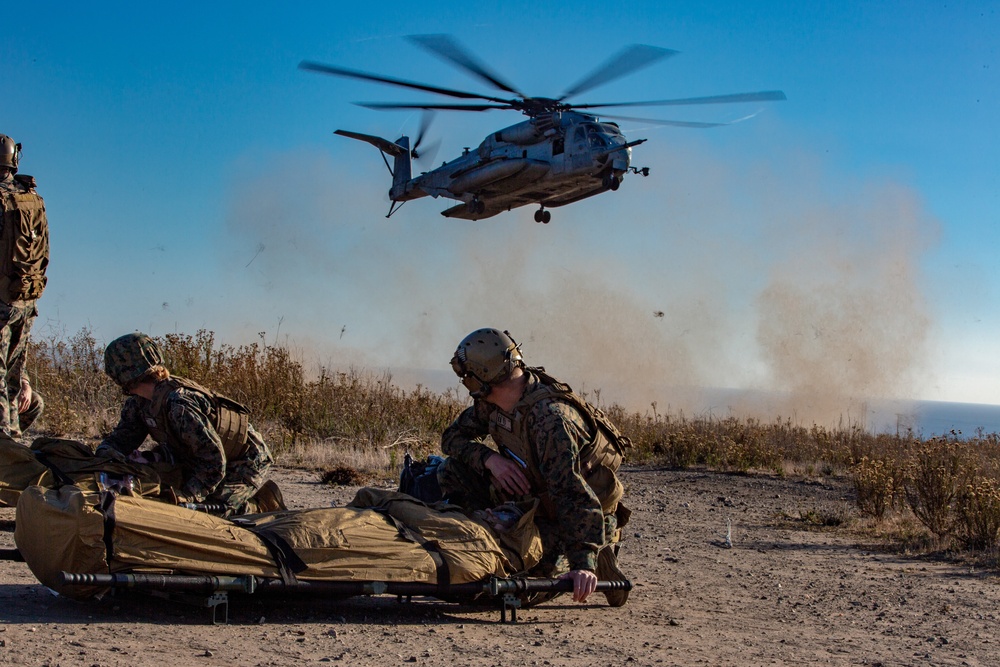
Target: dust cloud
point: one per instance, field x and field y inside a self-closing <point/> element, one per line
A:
<point x="844" y="320"/>
<point x="772" y="278"/>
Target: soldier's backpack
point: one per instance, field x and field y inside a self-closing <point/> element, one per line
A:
<point x="419" y="478"/>
<point x="24" y="243"/>
<point x="620" y="442"/>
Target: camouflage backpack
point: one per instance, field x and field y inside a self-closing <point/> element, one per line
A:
<point x="24" y="243"/>
<point x="621" y="443"/>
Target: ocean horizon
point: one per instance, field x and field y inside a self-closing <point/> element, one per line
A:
<point x="923" y="418"/>
<point x="933" y="418"/>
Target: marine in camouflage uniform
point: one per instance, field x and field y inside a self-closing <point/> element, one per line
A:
<point x="184" y="419"/>
<point x="564" y="447"/>
<point x="17" y="308"/>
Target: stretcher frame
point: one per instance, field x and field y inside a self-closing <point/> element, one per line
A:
<point x="213" y="591"/>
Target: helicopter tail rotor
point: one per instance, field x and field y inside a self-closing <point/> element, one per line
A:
<point x="427" y="153"/>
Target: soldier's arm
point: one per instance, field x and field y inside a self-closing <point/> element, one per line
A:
<point x="464" y="439"/>
<point x="130" y="432"/>
<point x="559" y="433"/>
<point x="199" y="450"/>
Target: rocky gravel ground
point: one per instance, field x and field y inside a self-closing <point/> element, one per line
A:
<point x="728" y="570"/>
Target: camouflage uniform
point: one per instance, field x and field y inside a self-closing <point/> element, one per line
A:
<point x="16" y="319"/>
<point x="572" y="521"/>
<point x="192" y="442"/>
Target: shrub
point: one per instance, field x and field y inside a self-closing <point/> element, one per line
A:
<point x="876" y="483"/>
<point x="978" y="509"/>
<point x="932" y="482"/>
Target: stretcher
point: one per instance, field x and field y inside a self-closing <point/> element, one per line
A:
<point x="83" y="544"/>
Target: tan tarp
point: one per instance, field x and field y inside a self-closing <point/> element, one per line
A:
<point x="21" y="467"/>
<point x="64" y="530"/>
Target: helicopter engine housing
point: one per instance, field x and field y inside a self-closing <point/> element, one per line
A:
<point x="522" y="134"/>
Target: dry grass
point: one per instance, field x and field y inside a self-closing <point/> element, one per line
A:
<point x="361" y="421"/>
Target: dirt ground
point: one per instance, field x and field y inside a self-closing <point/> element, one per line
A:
<point x="784" y="593"/>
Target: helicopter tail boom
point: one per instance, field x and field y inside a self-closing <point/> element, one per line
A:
<point x="400" y="169"/>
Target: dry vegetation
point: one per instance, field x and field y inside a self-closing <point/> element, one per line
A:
<point x="938" y="494"/>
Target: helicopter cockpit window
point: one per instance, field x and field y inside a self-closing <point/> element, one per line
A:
<point x="597" y="141"/>
<point x="580" y="135"/>
<point x="596" y="134"/>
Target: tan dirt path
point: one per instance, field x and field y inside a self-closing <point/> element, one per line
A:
<point x="785" y="593"/>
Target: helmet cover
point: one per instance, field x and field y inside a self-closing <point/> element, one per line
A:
<point x="127" y="358"/>
<point x="484" y="358"/>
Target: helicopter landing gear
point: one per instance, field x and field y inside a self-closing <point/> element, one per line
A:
<point x="543" y="216"/>
<point x="476" y="206"/>
<point x="611" y="182"/>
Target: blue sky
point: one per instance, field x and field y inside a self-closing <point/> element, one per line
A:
<point x="838" y="245"/>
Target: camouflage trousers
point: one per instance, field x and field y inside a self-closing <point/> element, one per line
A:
<point x="244" y="478"/>
<point x="15" y="327"/>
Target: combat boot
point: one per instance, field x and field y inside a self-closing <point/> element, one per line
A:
<point x="607" y="570"/>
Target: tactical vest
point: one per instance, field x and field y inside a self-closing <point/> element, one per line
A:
<point x="24" y="244"/>
<point x="599" y="459"/>
<point x="229" y="418"/>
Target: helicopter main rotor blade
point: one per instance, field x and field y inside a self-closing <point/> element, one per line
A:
<point x="382" y="106"/>
<point x="365" y="76"/>
<point x="678" y="123"/>
<point x="448" y="49"/>
<point x="762" y="96"/>
<point x="626" y="61"/>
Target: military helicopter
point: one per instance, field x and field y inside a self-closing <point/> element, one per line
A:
<point x="558" y="156"/>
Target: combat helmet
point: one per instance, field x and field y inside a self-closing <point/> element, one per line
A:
<point x="484" y="358"/>
<point x="10" y="153"/>
<point x="128" y="357"/>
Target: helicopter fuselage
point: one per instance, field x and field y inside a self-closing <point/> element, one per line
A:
<point x="550" y="160"/>
<point x="558" y="156"/>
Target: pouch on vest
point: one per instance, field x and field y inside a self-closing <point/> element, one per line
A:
<point x="24" y="247"/>
<point x="232" y="425"/>
<point x="230" y="420"/>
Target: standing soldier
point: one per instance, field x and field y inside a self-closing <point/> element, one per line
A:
<point x="222" y="458"/>
<point x="24" y="256"/>
<point x="551" y="445"/>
